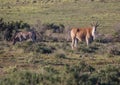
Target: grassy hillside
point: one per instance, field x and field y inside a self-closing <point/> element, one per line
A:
<point x="52" y="62"/>
<point x="68" y="12"/>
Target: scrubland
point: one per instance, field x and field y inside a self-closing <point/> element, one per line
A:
<point x="50" y="60"/>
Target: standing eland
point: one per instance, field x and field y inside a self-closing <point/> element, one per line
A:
<point x="83" y="34"/>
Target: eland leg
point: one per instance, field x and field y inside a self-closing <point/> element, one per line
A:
<point x="73" y="43"/>
<point x="76" y="42"/>
<point x="87" y="41"/>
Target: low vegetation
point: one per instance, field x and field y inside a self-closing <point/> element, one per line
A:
<point x="50" y="60"/>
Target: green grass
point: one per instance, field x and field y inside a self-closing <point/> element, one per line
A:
<point x="54" y="67"/>
<point x="77" y="14"/>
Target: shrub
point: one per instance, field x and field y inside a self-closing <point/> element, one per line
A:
<point x="102" y="0"/>
<point x="109" y="76"/>
<point x="50" y="69"/>
<point x="7" y="28"/>
<point x="44" y="50"/>
<point x="60" y="55"/>
<point x="113" y="50"/>
<point x="81" y="73"/>
<point x="21" y="78"/>
<point x="86" y="75"/>
<point x="55" y="28"/>
<point x="81" y="67"/>
<point x="49" y="31"/>
<point x="90" y="49"/>
<point x="104" y="38"/>
<point x="49" y="77"/>
<point x="34" y="1"/>
<point x="117" y="33"/>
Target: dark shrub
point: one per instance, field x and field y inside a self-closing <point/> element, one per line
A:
<point x="44" y="50"/>
<point x="104" y="38"/>
<point x="49" y="31"/>
<point x="55" y="28"/>
<point x="34" y="1"/>
<point x="113" y="50"/>
<point x="2" y="24"/>
<point x="7" y="29"/>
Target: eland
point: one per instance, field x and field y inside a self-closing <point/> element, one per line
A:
<point x="24" y="35"/>
<point x="83" y="34"/>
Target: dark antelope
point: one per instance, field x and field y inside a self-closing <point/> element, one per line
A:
<point x="83" y="34"/>
<point x="21" y="36"/>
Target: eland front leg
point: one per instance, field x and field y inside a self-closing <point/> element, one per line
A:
<point x="72" y="44"/>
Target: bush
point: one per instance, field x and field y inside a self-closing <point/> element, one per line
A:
<point x="102" y="0"/>
<point x="48" y="31"/>
<point x="113" y="50"/>
<point x="104" y="38"/>
<point x="83" y="67"/>
<point x="87" y="75"/>
<point x="21" y="78"/>
<point x="117" y="33"/>
<point x="81" y="73"/>
<point x="109" y="76"/>
<point x="44" y="50"/>
<point x="49" y="77"/>
<point x="7" y="28"/>
<point x="60" y="55"/>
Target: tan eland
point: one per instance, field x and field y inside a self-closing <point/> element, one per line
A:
<point x="83" y="34"/>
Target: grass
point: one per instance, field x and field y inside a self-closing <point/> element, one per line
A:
<point x="17" y="61"/>
<point x="78" y="14"/>
<point x="49" y="63"/>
